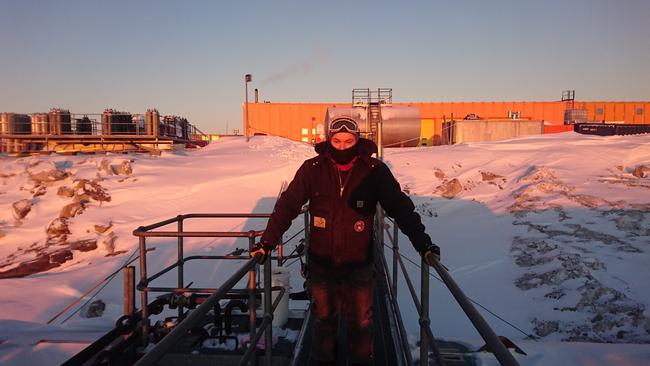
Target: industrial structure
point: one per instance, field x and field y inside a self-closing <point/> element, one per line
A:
<point x="64" y="132"/>
<point x="436" y="123"/>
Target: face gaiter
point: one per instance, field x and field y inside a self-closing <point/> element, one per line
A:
<point x="343" y="156"/>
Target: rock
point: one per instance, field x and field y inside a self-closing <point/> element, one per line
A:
<point x="587" y="200"/>
<point x="449" y="189"/>
<point x="544" y="328"/>
<point x="105" y="166"/>
<point x="100" y="229"/>
<point x="22" y="208"/>
<point x="65" y="192"/>
<point x="487" y="176"/>
<point x="123" y="168"/>
<point x="439" y="174"/>
<point x="641" y="171"/>
<point x="40" y="264"/>
<point x="61" y="256"/>
<point x="2" y="234"/>
<point x="84" y="245"/>
<point x="72" y="209"/>
<point x="44" y="173"/>
<point x="58" y="230"/>
<point x="93" y="310"/>
<point x="39" y="191"/>
<point x="109" y="243"/>
<point x="88" y="189"/>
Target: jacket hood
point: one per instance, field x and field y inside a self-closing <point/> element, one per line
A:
<point x="366" y="147"/>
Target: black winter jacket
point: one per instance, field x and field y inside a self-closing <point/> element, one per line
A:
<point x="341" y="224"/>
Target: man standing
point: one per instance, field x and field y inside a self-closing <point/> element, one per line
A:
<point x="343" y="185"/>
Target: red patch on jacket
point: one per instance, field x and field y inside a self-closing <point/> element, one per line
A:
<point x="359" y="226"/>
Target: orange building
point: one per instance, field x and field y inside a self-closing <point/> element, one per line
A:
<point x="304" y="121"/>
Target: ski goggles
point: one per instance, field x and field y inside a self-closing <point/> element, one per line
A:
<point x="343" y="125"/>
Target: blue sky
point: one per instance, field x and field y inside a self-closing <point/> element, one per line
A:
<point x="189" y="57"/>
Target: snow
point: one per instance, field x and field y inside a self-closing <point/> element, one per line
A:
<point x="551" y="233"/>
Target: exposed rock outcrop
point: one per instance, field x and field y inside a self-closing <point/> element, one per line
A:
<point x="46" y="172"/>
<point x="57" y="230"/>
<point x="124" y="168"/>
<point x="641" y="171"/>
<point x="449" y="189"/>
<point x="109" y="243"/>
<point x="101" y="229"/>
<point x="73" y="209"/>
<point x="64" y="191"/>
<point x="86" y="189"/>
<point x="21" y="208"/>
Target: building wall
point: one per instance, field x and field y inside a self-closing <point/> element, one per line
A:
<point x="484" y="130"/>
<point x="300" y="121"/>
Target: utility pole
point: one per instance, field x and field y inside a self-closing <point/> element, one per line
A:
<point x="247" y="78"/>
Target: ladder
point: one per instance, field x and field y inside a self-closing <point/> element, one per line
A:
<point x="374" y="119"/>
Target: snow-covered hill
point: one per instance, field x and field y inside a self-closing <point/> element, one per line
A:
<point x="551" y="233"/>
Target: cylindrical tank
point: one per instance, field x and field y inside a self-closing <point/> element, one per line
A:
<point x="40" y="123"/>
<point x="280" y="277"/>
<point x="4" y="124"/>
<point x="169" y="123"/>
<point x="152" y="122"/>
<point x="138" y="121"/>
<point x="15" y="124"/>
<point x="107" y="121"/>
<point x="60" y="122"/>
<point x="401" y="125"/>
<point x="117" y="123"/>
<point x="84" y="126"/>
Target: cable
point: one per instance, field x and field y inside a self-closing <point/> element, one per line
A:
<point x="470" y="299"/>
<point x="107" y="280"/>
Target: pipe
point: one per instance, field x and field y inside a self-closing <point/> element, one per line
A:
<point x="227" y="317"/>
<point x="181" y="329"/>
<point x="129" y="290"/>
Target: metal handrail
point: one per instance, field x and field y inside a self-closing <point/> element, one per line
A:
<point x="144" y="232"/>
<point x="496" y="346"/>
<point x="184" y="326"/>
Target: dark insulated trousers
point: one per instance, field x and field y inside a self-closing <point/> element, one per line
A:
<point x="348" y="292"/>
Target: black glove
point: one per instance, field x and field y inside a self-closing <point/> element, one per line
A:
<point x="430" y="253"/>
<point x="264" y="248"/>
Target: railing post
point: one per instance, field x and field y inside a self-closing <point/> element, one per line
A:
<point x="144" y="302"/>
<point x="424" y="312"/>
<point x="179" y="262"/>
<point x="252" y="318"/>
<point x="268" y="312"/>
<point x="280" y="252"/>
<point x="129" y="290"/>
<point x="395" y="257"/>
<point x="307" y="228"/>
